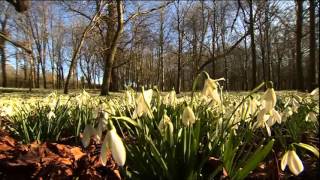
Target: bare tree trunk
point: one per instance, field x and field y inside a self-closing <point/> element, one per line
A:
<point x="263" y="54"/>
<point x="180" y="39"/>
<point x="246" y="65"/>
<point x="213" y="42"/>
<point x="3" y="51"/>
<point x="312" y="46"/>
<point x="3" y="65"/>
<point x="299" y="11"/>
<point x="17" y="69"/>
<point x="113" y="50"/>
<point x="253" y="48"/>
<point x="161" y="43"/>
<point x="267" y="39"/>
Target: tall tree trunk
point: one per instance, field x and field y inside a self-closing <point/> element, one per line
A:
<point x="17" y="69"/>
<point x="299" y="11"/>
<point x="161" y="43"/>
<point x="263" y="54"/>
<point x="3" y="51"/>
<point x="43" y="65"/>
<point x="267" y="39"/>
<point x="253" y="48"/>
<point x="113" y="49"/>
<point x="3" y="65"/>
<point x="312" y="46"/>
<point x="180" y="38"/>
<point x="246" y="65"/>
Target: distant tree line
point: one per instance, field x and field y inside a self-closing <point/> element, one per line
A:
<point x="113" y="45"/>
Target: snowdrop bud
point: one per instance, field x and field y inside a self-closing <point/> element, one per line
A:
<point x="284" y="161"/>
<point x="129" y="97"/>
<point x="270" y="99"/>
<point x="143" y="104"/>
<point x="170" y="98"/>
<point x="165" y="122"/>
<point x="188" y="116"/>
<point x="314" y="92"/>
<point x="114" y="142"/>
<point x="210" y="90"/>
<point x="89" y="131"/>
<point x="294" y="163"/>
<point x="51" y="115"/>
<point x="311" y="116"/>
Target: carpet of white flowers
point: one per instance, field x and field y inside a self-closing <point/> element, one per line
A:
<point x="152" y="134"/>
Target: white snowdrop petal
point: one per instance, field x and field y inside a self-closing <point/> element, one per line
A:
<point x="294" y="163"/>
<point x="284" y="161"/>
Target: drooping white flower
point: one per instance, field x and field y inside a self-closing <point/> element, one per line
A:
<point x="7" y="111"/>
<point x="268" y="116"/>
<point x="82" y="98"/>
<point x="51" y="115"/>
<point x="295" y="105"/>
<point x="269" y="100"/>
<point x="113" y="142"/>
<point x="287" y="112"/>
<point x="188" y="117"/>
<point x="210" y="90"/>
<point x="291" y="159"/>
<point x="88" y="132"/>
<point x="170" y="99"/>
<point x="104" y="116"/>
<point x="312" y="117"/>
<point x="267" y="120"/>
<point x="164" y="124"/>
<point x="253" y="106"/>
<point x="314" y="92"/>
<point x="143" y="104"/>
<point x="129" y="98"/>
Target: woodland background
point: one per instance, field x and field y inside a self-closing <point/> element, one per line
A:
<point x="111" y="45"/>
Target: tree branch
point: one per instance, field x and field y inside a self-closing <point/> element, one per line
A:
<point x="17" y="44"/>
<point x="224" y="53"/>
<point x="146" y="12"/>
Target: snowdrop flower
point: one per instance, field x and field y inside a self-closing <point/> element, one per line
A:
<point x="129" y="98"/>
<point x="170" y="98"/>
<point x="188" y="116"/>
<point x="143" y="104"/>
<point x="312" y="117"/>
<point x="314" y="92"/>
<point x="113" y="142"/>
<point x="104" y="116"/>
<point x="210" y="89"/>
<point x="51" y="115"/>
<point x="286" y="113"/>
<point x="269" y="100"/>
<point x="7" y="111"/>
<point x="165" y="123"/>
<point x="82" y="98"/>
<point x="267" y="120"/>
<point x="268" y="116"/>
<point x="253" y="106"/>
<point x="291" y="159"/>
<point x="295" y="105"/>
<point x="88" y="132"/>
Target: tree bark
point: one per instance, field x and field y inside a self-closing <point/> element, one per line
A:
<point x="299" y="20"/>
<point x="312" y="46"/>
<point x="113" y="49"/>
<point x="3" y="51"/>
<point x="253" y="48"/>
